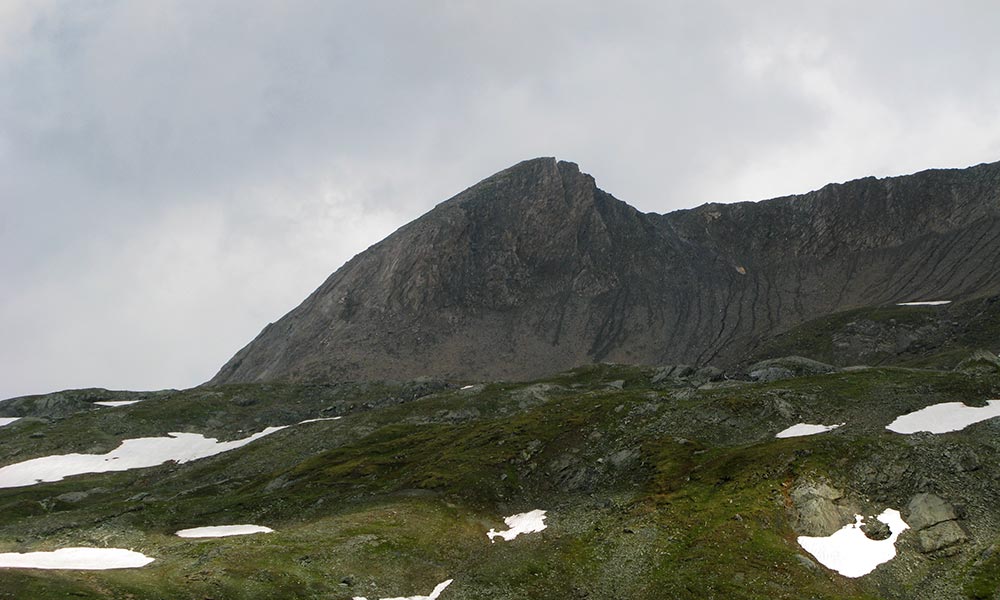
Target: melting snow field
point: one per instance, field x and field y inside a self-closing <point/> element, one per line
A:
<point x="805" y="429"/>
<point x="117" y="402"/>
<point x="529" y="522"/>
<point x="222" y="531"/>
<point x="96" y="559"/>
<point x="318" y="420"/>
<point x="925" y="303"/>
<point x="131" y="454"/>
<point x="7" y="420"/>
<point x="945" y="417"/>
<point x="437" y="592"/>
<point x="850" y="552"/>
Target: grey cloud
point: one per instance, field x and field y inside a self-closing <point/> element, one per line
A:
<point x="173" y="175"/>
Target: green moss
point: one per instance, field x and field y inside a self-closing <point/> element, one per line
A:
<point x="984" y="577"/>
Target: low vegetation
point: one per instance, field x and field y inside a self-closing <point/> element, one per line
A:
<point x="652" y="491"/>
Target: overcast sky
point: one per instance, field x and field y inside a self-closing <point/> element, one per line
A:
<point x="175" y="175"/>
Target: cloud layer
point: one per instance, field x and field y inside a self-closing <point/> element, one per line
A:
<point x="174" y="175"/>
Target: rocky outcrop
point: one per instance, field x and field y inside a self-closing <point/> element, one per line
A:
<point x="980" y="362"/>
<point x="672" y="373"/>
<point x="535" y="270"/>
<point x="820" y="509"/>
<point x="785" y="367"/>
<point x="58" y="405"/>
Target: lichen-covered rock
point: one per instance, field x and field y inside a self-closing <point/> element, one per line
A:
<point x="928" y="509"/>
<point x="818" y="512"/>
<point x="935" y="521"/>
<point x="821" y="489"/>
<point x="941" y="535"/>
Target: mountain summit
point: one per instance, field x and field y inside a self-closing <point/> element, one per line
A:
<point x="536" y="270"/>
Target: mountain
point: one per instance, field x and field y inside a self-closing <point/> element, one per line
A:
<point x="536" y="270"/>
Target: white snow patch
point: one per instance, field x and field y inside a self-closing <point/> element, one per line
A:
<point x="131" y="454"/>
<point x="117" y="402"/>
<point x="467" y="387"/>
<point x="222" y="531"/>
<point x="925" y="303"/>
<point x="318" y="420"/>
<point x="801" y="429"/>
<point x="850" y="552"/>
<point x="529" y="522"/>
<point x="89" y="559"/>
<point x="437" y="592"/>
<point x="7" y="420"/>
<point x="944" y="417"/>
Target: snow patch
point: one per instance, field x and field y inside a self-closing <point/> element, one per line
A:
<point x="318" y="420"/>
<point x="222" y="531"/>
<point x="467" y="387"/>
<point x="801" y="429"/>
<point x="117" y="402"/>
<point x="925" y="303"/>
<point x="7" y="420"/>
<point x="529" y="522"/>
<point x="131" y="454"/>
<point x="88" y="559"/>
<point x="850" y="552"/>
<point x="944" y="417"/>
<point x="437" y="592"/>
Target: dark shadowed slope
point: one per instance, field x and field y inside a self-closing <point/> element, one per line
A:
<point x="535" y="270"/>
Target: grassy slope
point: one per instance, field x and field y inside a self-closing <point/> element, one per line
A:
<point x="916" y="336"/>
<point x="652" y="493"/>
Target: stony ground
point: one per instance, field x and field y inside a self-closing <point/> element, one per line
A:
<point x="659" y="483"/>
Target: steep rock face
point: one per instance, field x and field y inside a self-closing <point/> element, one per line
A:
<point x="535" y="270"/>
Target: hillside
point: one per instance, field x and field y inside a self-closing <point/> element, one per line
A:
<point x="657" y="484"/>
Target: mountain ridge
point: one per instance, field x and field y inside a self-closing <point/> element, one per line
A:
<point x="535" y="270"/>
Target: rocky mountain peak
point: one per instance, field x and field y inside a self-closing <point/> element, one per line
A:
<point x="536" y="270"/>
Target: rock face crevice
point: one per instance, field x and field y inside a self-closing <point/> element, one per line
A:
<point x="536" y="270"/>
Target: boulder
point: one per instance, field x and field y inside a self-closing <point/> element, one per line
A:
<point x="935" y="521"/>
<point x="671" y="372"/>
<point x="768" y="374"/>
<point x="940" y="536"/>
<point x="810" y="489"/>
<point x="875" y="529"/>
<point x="817" y="510"/>
<point x="709" y="374"/>
<point x="926" y="510"/>
<point x="819" y="517"/>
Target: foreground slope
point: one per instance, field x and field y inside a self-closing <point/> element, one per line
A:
<point x="535" y="270"/>
<point x="672" y="489"/>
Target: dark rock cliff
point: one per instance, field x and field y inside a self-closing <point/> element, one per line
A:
<point x="535" y="270"/>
